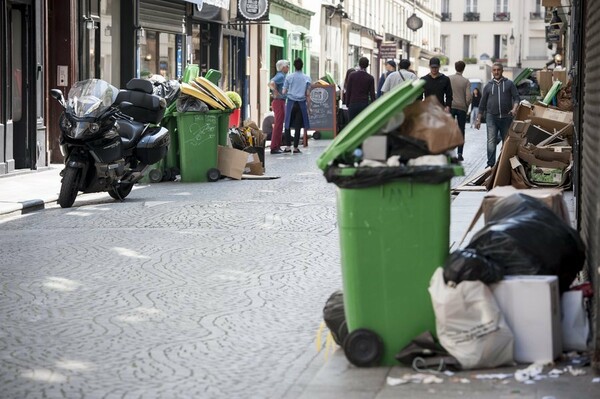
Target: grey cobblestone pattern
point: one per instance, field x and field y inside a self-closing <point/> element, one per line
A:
<point x="210" y="290"/>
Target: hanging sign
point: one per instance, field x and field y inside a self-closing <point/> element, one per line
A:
<point x="253" y="10"/>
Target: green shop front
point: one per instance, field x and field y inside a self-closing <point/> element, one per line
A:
<point x="288" y="35"/>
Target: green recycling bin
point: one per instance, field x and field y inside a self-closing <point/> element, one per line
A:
<point x="171" y="167"/>
<point x="393" y="234"/>
<point x="198" y="134"/>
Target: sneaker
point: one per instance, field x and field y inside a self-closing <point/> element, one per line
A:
<point x="460" y="157"/>
<point x="296" y="151"/>
<point x="287" y="150"/>
<point x="278" y="151"/>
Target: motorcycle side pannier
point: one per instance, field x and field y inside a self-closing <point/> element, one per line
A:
<point x="147" y="107"/>
<point x="153" y="146"/>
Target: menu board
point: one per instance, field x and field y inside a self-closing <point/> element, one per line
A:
<point x="322" y="110"/>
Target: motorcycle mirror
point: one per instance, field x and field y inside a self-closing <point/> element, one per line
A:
<point x="56" y="94"/>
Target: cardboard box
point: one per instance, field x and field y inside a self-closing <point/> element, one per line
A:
<point x="544" y="79"/>
<point x="551" y="3"/>
<point x="553" y="126"/>
<point x="543" y="111"/>
<point x="552" y="197"/>
<point x="560" y="75"/>
<point x="545" y="176"/>
<point x="531" y="308"/>
<point x="234" y="163"/>
<point x="375" y="148"/>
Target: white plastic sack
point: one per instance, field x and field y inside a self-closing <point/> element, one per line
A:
<point x="469" y="323"/>
<point x="575" y="323"/>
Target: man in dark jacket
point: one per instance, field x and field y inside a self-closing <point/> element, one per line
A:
<point x="361" y="89"/>
<point x="390" y="66"/>
<point x="437" y="84"/>
<point x="499" y="103"/>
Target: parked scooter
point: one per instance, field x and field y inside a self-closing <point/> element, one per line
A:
<point x="108" y="138"/>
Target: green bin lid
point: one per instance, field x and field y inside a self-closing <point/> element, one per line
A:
<point x="329" y="78"/>
<point x="524" y="74"/>
<point x="213" y="76"/>
<point x="371" y="120"/>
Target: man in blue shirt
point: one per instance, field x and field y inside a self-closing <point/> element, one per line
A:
<point x="278" y="104"/>
<point x="295" y="88"/>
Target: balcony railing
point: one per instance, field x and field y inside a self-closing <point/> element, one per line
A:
<point x="446" y="16"/>
<point x="501" y="16"/>
<point x="536" y="15"/>
<point x="471" y="16"/>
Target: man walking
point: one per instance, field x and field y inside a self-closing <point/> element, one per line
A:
<point x="437" y="84"/>
<point x="499" y="103"/>
<point x="390" y="67"/>
<point x="398" y="77"/>
<point x="278" y="104"/>
<point x="360" y="91"/>
<point x="461" y="98"/>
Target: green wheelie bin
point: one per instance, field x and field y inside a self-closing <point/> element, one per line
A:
<point x="394" y="233"/>
<point x="198" y="134"/>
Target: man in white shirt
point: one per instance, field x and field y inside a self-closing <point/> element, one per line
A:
<point x="398" y="77"/>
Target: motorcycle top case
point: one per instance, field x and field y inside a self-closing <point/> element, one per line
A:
<point x="153" y="146"/>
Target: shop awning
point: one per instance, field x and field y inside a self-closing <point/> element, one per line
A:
<point x="217" y="3"/>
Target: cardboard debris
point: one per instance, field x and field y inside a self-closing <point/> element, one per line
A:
<point x="234" y="163"/>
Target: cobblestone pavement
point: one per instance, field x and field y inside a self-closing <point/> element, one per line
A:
<point x="206" y="290"/>
<point x="181" y="291"/>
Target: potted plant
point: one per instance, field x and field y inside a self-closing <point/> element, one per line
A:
<point x="234" y="118"/>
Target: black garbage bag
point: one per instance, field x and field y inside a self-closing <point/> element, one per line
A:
<point x="369" y="177"/>
<point x="469" y="265"/>
<point x="187" y="103"/>
<point x="523" y="236"/>
<point x="335" y="319"/>
<point x="423" y="352"/>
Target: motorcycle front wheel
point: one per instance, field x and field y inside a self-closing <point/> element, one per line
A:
<point x="120" y="191"/>
<point x="69" y="187"/>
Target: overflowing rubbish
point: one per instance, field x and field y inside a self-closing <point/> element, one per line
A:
<point x="469" y="324"/>
<point x="424" y="353"/>
<point x="334" y="317"/>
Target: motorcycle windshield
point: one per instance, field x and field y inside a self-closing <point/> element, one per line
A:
<point x="90" y="98"/>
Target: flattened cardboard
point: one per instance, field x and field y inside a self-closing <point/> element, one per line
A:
<point x="510" y="148"/>
<point x="231" y="162"/>
<point x="544" y="81"/>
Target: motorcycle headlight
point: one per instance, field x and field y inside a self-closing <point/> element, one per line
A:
<point x="94" y="127"/>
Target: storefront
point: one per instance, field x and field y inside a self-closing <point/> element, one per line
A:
<point x="22" y="126"/>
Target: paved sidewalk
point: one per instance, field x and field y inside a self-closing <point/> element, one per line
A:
<point x="330" y="375"/>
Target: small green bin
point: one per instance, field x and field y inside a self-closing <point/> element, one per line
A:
<point x="224" y="126"/>
<point x="198" y="134"/>
<point x="393" y="235"/>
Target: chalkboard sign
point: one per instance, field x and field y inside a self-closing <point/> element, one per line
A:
<point x="322" y="110"/>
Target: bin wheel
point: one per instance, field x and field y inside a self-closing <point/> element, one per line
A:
<point x="363" y="348"/>
<point x="155" y="176"/>
<point x="213" y="174"/>
<point x="167" y="175"/>
<point x="316" y="135"/>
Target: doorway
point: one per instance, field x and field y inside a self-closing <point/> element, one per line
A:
<point x="22" y="88"/>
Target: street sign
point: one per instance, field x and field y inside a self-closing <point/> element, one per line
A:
<point x="388" y="50"/>
<point x="552" y="35"/>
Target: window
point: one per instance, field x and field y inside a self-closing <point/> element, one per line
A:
<point x="471" y="6"/>
<point x="501" y="6"/>
<point x="467" y="46"/>
<point x="500" y="47"/>
<point x="445" y="39"/>
<point x="445" y="6"/>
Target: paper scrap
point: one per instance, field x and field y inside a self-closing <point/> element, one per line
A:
<point x="498" y="376"/>
<point x="575" y="372"/>
<point x="391" y="381"/>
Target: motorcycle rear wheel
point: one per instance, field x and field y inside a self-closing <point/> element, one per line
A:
<point x="120" y="191"/>
<point x="69" y="187"/>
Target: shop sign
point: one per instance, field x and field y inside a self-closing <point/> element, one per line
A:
<point x="388" y="50"/>
<point x="253" y="10"/>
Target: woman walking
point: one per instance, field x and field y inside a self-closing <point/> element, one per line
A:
<point x="475" y="98"/>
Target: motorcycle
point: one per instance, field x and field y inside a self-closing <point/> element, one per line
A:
<point x="108" y="137"/>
